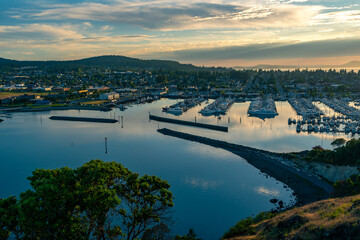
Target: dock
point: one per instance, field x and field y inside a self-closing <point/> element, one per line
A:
<point x="83" y="119"/>
<point x="194" y="124"/>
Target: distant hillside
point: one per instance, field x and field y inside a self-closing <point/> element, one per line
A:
<point x="337" y="218"/>
<point x="108" y="61"/>
<point x="4" y="61"/>
<point x="353" y="64"/>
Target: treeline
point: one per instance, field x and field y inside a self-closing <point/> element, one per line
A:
<point x="345" y="154"/>
<point x="99" y="200"/>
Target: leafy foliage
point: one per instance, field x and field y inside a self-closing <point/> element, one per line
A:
<point x="95" y="201"/>
<point x="344" y="154"/>
<point x="349" y="187"/>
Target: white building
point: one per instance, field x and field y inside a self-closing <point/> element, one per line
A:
<point x="109" y="96"/>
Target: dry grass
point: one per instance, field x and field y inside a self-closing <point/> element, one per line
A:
<point x="327" y="219"/>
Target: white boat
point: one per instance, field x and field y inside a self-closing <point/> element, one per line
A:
<point x="175" y="110"/>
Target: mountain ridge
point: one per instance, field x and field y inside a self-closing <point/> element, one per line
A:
<point x="109" y="61"/>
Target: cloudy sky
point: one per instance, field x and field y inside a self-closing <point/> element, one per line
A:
<point x="211" y="32"/>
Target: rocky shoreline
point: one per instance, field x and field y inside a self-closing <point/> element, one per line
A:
<point x="308" y="188"/>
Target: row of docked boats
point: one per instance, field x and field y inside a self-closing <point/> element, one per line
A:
<point x="218" y="107"/>
<point x="263" y="108"/>
<point x="180" y="107"/>
<point x="339" y="124"/>
<point x="343" y="108"/>
<point x="305" y="107"/>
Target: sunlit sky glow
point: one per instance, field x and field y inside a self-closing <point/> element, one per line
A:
<point x="212" y="32"/>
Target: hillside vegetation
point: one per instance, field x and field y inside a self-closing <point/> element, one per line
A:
<point x="337" y="218"/>
<point x="343" y="155"/>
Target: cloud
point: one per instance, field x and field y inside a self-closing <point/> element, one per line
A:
<point x="311" y="49"/>
<point x="106" y="28"/>
<point x="39" y="32"/>
<point x="202" y="183"/>
<point x="162" y="15"/>
<point x="88" y="24"/>
<point x="267" y="192"/>
<point x="350" y="16"/>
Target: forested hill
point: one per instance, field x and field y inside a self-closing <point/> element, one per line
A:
<point x="120" y="62"/>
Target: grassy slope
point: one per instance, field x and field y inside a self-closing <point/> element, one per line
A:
<point x="328" y="219"/>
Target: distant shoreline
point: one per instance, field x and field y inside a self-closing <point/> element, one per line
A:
<point x="307" y="188"/>
<point x="51" y="108"/>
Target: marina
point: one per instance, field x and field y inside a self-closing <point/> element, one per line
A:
<point x="218" y="107"/>
<point x="305" y="107"/>
<point x="263" y="108"/>
<point x="343" y="107"/>
<point x="199" y="174"/>
<point x="178" y="108"/>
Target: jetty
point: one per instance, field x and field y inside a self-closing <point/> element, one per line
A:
<point x="307" y="187"/>
<point x="83" y="119"/>
<point x="188" y="123"/>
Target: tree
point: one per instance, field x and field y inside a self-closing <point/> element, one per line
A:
<point x="190" y="236"/>
<point x="99" y="200"/>
<point x="338" y="142"/>
<point x="145" y="200"/>
<point x="8" y="217"/>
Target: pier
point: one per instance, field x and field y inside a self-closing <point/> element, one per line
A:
<point x="194" y="124"/>
<point x="83" y="119"/>
<point x="308" y="188"/>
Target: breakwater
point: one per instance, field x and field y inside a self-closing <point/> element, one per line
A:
<point x="83" y="119"/>
<point x="307" y="187"/>
<point x="194" y="124"/>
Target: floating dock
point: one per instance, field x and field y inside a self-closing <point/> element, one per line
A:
<point x="194" y="124"/>
<point x="83" y="119"/>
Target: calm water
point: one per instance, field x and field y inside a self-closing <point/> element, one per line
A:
<point x="213" y="188"/>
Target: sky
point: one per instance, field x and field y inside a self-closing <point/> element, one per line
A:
<point x="211" y="33"/>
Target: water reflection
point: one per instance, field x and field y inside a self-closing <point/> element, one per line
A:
<point x="213" y="188"/>
<point x="267" y="192"/>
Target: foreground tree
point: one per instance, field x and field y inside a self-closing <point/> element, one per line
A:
<point x="95" y="201"/>
<point x="145" y="200"/>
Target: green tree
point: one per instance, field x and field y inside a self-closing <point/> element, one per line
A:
<point x="145" y="200"/>
<point x="99" y="200"/>
<point x="8" y="217"/>
<point x="338" y="142"/>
